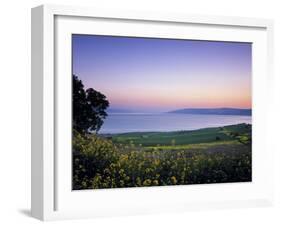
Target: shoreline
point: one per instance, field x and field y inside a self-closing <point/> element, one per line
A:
<point x="172" y="131"/>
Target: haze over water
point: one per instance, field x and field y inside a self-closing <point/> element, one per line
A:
<point x="164" y="122"/>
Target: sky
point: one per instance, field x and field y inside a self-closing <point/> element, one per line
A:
<point x="152" y="74"/>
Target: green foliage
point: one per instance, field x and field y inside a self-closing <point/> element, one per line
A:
<point x="88" y="107"/>
<point x="100" y="163"/>
<point x="92" y="158"/>
<point x="208" y="135"/>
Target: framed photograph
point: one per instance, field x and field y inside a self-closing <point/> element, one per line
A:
<point x="136" y="113"/>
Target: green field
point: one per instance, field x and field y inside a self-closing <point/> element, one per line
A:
<point x="220" y="135"/>
<point x="210" y="155"/>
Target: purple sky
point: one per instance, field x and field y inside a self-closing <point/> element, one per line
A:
<point x="148" y="74"/>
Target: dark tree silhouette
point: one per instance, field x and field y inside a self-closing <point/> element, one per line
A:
<point x="88" y="108"/>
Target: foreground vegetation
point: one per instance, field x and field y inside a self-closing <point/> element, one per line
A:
<point x="213" y="155"/>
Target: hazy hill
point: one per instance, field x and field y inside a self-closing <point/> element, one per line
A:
<point x="214" y="111"/>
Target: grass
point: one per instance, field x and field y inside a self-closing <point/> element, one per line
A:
<point x="211" y="155"/>
<point x="179" y="138"/>
<point x="199" y="146"/>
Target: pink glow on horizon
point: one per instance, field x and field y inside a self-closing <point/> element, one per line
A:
<point x="166" y="92"/>
<point x="180" y="98"/>
<point x="164" y="74"/>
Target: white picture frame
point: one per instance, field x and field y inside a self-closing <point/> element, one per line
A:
<point x="52" y="197"/>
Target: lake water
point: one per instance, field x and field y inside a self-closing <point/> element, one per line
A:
<point x="124" y="123"/>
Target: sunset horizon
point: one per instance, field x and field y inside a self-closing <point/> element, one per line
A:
<point x="149" y="74"/>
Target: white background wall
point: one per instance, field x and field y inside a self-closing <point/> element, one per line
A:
<point x="15" y="111"/>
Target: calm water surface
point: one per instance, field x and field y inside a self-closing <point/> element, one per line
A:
<point x="124" y="123"/>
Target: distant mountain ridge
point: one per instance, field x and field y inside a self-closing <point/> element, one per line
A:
<point x="214" y="111"/>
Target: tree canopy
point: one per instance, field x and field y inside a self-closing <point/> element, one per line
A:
<point x="89" y="108"/>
